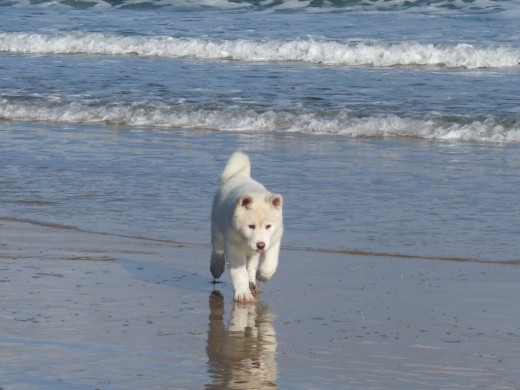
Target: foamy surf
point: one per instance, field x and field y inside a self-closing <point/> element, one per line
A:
<point x="331" y="53"/>
<point x="342" y="123"/>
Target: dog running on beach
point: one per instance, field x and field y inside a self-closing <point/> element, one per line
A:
<point x="246" y="229"/>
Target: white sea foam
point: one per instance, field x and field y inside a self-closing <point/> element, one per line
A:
<point x="374" y="54"/>
<point x="341" y="123"/>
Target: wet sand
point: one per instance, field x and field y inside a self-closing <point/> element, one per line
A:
<point x="86" y="310"/>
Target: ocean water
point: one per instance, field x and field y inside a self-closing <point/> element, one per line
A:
<point x="390" y="127"/>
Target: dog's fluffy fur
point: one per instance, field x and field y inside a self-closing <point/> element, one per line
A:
<point x="246" y="229"/>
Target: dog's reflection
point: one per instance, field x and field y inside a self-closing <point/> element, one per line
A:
<point x="243" y="354"/>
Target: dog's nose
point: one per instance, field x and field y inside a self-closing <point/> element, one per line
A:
<point x="260" y="245"/>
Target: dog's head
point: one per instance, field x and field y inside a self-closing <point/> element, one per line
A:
<point x="258" y="219"/>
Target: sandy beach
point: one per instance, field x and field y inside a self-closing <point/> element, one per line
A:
<point x="87" y="310"/>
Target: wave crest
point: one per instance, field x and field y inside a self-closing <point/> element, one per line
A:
<point x="332" y="53"/>
<point x="341" y="123"/>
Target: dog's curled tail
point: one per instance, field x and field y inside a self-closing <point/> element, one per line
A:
<point x="238" y="165"/>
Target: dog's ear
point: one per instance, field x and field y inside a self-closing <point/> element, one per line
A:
<point x="245" y="201"/>
<point x="276" y="201"/>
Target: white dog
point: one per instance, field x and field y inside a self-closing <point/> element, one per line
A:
<point x="246" y="229"/>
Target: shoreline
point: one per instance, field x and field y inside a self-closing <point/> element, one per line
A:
<point x="346" y="252"/>
<point x="83" y="310"/>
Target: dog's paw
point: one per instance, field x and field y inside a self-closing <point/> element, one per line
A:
<point x="254" y="289"/>
<point x="217" y="265"/>
<point x="216" y="272"/>
<point x="263" y="275"/>
<point x="244" y="297"/>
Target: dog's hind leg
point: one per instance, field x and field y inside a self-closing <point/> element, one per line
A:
<point x="218" y="264"/>
<point x="218" y="260"/>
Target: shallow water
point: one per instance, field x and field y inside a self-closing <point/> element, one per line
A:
<point x="394" y="196"/>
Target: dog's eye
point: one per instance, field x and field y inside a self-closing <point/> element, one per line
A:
<point x="252" y="227"/>
<point x="268" y="227"/>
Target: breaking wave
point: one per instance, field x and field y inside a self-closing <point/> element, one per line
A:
<point x="332" y="53"/>
<point x="341" y="123"/>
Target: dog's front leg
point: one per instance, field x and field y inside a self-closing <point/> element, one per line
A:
<point x="268" y="263"/>
<point x="252" y="268"/>
<point x="240" y="281"/>
<point x="239" y="276"/>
